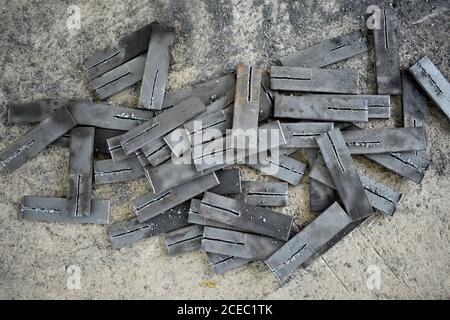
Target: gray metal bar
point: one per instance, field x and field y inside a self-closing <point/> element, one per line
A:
<point x="26" y="147"/>
<point x="196" y="218"/>
<point x="433" y="82"/>
<point x="178" y="142"/>
<point x="101" y="139"/>
<point x="239" y="244"/>
<point x="108" y="171"/>
<point x="342" y="170"/>
<point x="79" y="193"/>
<point x="184" y="240"/>
<point x="151" y="204"/>
<point x="312" y="238"/>
<point x="130" y="231"/>
<point x="156" y="70"/>
<point x="246" y="217"/>
<point x="161" y="124"/>
<point x="116" y="151"/>
<point x="230" y="182"/>
<point x="34" y="111"/>
<point x="314" y="80"/>
<point x="156" y="152"/>
<point x="323" y="108"/>
<point x="55" y="210"/>
<point x="415" y="104"/>
<point x="385" y="140"/>
<point x="265" y="194"/>
<point x="267" y="98"/>
<point x="386" y="41"/>
<point x="119" y="78"/>
<point x="329" y="51"/>
<point x="303" y="134"/>
<point x="221" y="264"/>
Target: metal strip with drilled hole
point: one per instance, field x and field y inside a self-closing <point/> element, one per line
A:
<point x="108" y="171"/>
<point x="151" y="204"/>
<point x="303" y="134"/>
<point x="323" y="108"/>
<point x="328" y="51"/>
<point x="415" y="104"/>
<point x="312" y="238"/>
<point x="184" y="240"/>
<point x="433" y="83"/>
<point x="79" y="192"/>
<point x="387" y="56"/>
<point x="26" y="147"/>
<point x="314" y="80"/>
<point x="265" y="193"/>
<point x="55" y="210"/>
<point x="253" y="219"/>
<point x="343" y="172"/>
<point x="238" y="244"/>
<point x="222" y="264"/>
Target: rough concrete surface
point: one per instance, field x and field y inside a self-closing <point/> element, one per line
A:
<point x="40" y="57"/>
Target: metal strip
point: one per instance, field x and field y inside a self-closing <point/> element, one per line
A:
<point x="265" y="194"/>
<point x="281" y="167"/>
<point x="253" y="219"/>
<point x="387" y="53"/>
<point x="329" y="51"/>
<point x="196" y="218"/>
<point x="323" y="108"/>
<point x="26" y="147"/>
<point x="161" y="125"/>
<point x="108" y="171"/>
<point x="156" y="152"/>
<point x="385" y="140"/>
<point x="248" y="94"/>
<point x="222" y="264"/>
<point x="55" y="210"/>
<point x="312" y="238"/>
<point x="151" y="204"/>
<point x="267" y="98"/>
<point x="239" y="244"/>
<point x="142" y="159"/>
<point x="381" y="197"/>
<point x="116" y="151"/>
<point x="303" y="134"/>
<point x="415" y="105"/>
<point x="342" y="170"/>
<point x="433" y="82"/>
<point x="113" y="56"/>
<point x="184" y="240"/>
<point x="156" y="70"/>
<point x="120" y="78"/>
<point x="127" y="232"/>
<point x="230" y="182"/>
<point x="34" y="111"/>
<point x="79" y="193"/>
<point x="314" y="80"/>
<point x="178" y="142"/>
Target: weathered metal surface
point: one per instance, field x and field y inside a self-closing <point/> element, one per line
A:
<point x="108" y="171"/>
<point x="415" y="104"/>
<point x="115" y="149"/>
<point x="156" y="152"/>
<point x="303" y="134"/>
<point x="265" y="194"/>
<point x="184" y="240"/>
<point x="222" y="264"/>
<point x="230" y="182"/>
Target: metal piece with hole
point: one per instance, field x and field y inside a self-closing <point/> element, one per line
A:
<point x="55" y="210"/>
<point x="108" y="171"/>
<point x="265" y="194"/>
<point x="433" y="83"/>
<point x="151" y="204"/>
<point x="239" y="244"/>
<point x="26" y="147"/>
<point x="314" y="80"/>
<point x="329" y="51"/>
<point x="342" y="170"/>
<point x="253" y="219"/>
<point x="387" y="56"/>
<point x="222" y="264"/>
<point x="303" y="134"/>
<point x="79" y="193"/>
<point x="184" y="240"/>
<point x="307" y="242"/>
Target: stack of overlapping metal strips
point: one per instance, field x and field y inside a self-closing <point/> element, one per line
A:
<point x="197" y="199"/>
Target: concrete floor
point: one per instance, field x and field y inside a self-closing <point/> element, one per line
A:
<point x="40" y="57"/>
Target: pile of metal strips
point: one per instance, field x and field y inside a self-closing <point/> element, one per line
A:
<point x="203" y="205"/>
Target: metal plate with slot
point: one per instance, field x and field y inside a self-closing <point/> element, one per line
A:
<point x="151" y="204"/>
<point x="156" y="152"/>
<point x="323" y="108"/>
<point x="433" y="83"/>
<point x="161" y="125"/>
<point x="222" y="264"/>
<point x="156" y="70"/>
<point x="265" y="194"/>
<point x="239" y="244"/>
<point x="26" y="147"/>
<point x="329" y="51"/>
<point x="248" y="94"/>
<point x="107" y="171"/>
<point x="415" y="104"/>
<point x="385" y="140"/>
<point x="34" y="111"/>
<point x="115" y="149"/>
<point x="196" y="218"/>
<point x="80" y="171"/>
<point x="312" y="238"/>
<point x="253" y="219"/>
<point x="342" y="170"/>
<point x="314" y="80"/>
<point x="130" y="231"/>
<point x="303" y="134"/>
<point x="55" y="210"/>
<point x="381" y="197"/>
<point x="387" y="57"/>
<point x="184" y="240"/>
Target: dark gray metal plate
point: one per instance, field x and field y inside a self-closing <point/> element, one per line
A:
<point x="108" y="171"/>
<point x="265" y="194"/>
<point x="184" y="240"/>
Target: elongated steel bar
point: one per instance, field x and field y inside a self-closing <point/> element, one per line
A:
<point x="303" y="134"/>
<point x="265" y="194"/>
<point x="184" y="240"/>
<point x="108" y="171"/>
<point x="222" y="264"/>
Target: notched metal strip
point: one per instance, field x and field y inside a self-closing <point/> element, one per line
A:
<point x="265" y="194"/>
<point x="108" y="171"/>
<point x="184" y="240"/>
